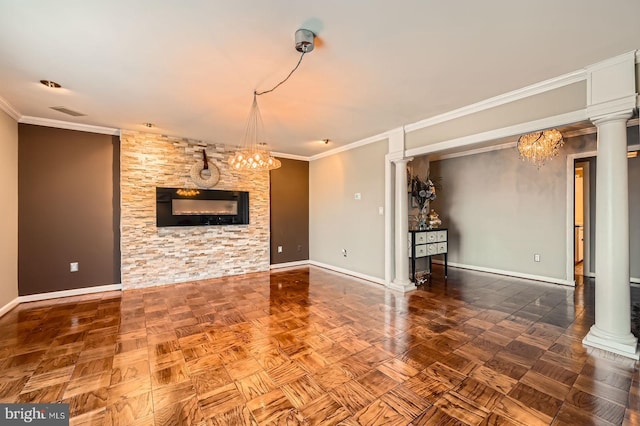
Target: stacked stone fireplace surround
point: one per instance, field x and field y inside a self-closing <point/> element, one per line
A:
<point x="155" y="256"/>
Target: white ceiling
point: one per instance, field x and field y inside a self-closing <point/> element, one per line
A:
<point x="191" y="67"/>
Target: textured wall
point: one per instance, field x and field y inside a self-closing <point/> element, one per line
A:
<point x="154" y="256"/>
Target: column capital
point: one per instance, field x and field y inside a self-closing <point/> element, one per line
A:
<point x="616" y="116"/>
<point x="398" y="159"/>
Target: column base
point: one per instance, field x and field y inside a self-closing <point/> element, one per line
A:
<point x="402" y="285"/>
<point x="621" y="345"/>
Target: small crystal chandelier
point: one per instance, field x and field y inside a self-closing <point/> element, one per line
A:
<point x="253" y="155"/>
<point x="538" y="147"/>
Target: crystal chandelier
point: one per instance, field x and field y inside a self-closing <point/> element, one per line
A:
<point x="538" y="147"/>
<point x="253" y="155"/>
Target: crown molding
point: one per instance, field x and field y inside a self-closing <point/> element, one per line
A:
<point x="9" y="109"/>
<point x="507" y="145"/>
<point x="290" y="156"/>
<point x="505" y="98"/>
<point x="366" y="141"/>
<point x="47" y="122"/>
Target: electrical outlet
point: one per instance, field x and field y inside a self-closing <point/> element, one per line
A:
<point x="344" y="252"/>
<point x="380" y="211"/>
<point x="73" y="267"/>
<point x="536" y="257"/>
<point x="279" y="249"/>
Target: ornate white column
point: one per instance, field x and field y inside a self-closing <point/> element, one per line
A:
<point x="401" y="281"/>
<point x="612" y="329"/>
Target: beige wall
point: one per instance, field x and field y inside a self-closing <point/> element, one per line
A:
<point x="154" y="256"/>
<point x="337" y="221"/>
<point x="9" y="215"/>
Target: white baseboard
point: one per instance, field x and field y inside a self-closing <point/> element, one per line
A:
<point x="67" y="293"/>
<point x="289" y="264"/>
<point x="510" y="273"/>
<point x="632" y="279"/>
<point x="9" y="306"/>
<point x="348" y="272"/>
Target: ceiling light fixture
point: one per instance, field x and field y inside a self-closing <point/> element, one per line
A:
<point x="254" y="155"/>
<point x="538" y="147"/>
<point x="51" y="84"/>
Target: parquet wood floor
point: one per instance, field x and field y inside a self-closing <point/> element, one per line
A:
<point x="308" y="346"/>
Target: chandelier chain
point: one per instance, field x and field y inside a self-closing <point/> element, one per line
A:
<point x="285" y="79"/>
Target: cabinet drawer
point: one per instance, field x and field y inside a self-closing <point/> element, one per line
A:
<point x="421" y="251"/>
<point x="432" y="249"/>
<point x="421" y="237"/>
<point x="432" y="237"/>
<point x="441" y="236"/>
<point x="442" y="248"/>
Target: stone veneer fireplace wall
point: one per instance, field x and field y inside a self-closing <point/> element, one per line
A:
<point x="155" y="256"/>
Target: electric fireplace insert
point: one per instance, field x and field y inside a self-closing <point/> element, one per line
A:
<point x="200" y="207"/>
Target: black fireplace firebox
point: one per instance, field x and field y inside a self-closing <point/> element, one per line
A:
<point x="199" y="207"/>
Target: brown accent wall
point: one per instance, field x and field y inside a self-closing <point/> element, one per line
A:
<point x="68" y="209"/>
<point x="290" y="211"/>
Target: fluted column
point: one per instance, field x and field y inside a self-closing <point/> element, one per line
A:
<point x="612" y="329"/>
<point x="401" y="281"/>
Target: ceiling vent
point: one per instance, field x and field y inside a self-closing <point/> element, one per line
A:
<point x="68" y="111"/>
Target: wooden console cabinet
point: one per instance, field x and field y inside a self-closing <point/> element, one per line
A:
<point x="429" y="243"/>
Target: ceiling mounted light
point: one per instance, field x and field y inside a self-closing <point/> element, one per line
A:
<point x="254" y="155"/>
<point x="51" y="84"/>
<point x="538" y="147"/>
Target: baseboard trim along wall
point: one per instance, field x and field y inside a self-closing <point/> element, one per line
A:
<point x="510" y="273"/>
<point x="67" y="293"/>
<point x="632" y="279"/>
<point x="9" y="306"/>
<point x="57" y="294"/>
<point x="289" y="264"/>
<point x="348" y="272"/>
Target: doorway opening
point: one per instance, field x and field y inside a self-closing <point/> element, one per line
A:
<point x="581" y="219"/>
